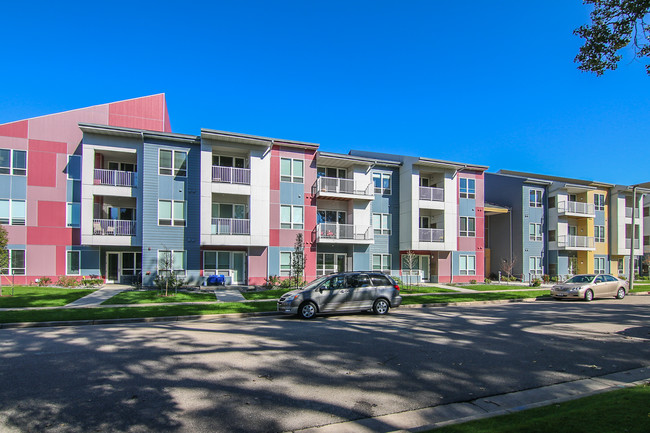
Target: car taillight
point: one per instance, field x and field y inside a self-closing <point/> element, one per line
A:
<point x="396" y="287"/>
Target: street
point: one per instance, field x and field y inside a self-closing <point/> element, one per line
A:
<point x="278" y="373"/>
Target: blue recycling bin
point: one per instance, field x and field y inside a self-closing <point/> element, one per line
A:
<point x="216" y="280"/>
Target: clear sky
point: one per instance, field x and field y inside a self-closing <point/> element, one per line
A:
<point x="482" y="82"/>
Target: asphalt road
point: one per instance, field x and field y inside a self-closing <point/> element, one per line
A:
<point x="277" y="373"/>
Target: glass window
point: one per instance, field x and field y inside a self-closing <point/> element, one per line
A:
<point x="291" y="217"/>
<point x="535" y="232"/>
<point x="535" y="265"/>
<point x="298" y="171"/>
<point x="171" y="261"/>
<point x="292" y="170"/>
<point x="599" y="233"/>
<point x="467" y="265"/>
<point x="467" y="226"/>
<point x="5" y="161"/>
<point x="73" y="217"/>
<point x="599" y="201"/>
<point x="599" y="265"/>
<point x="382" y="182"/>
<point x="285" y="264"/>
<point x="381" y="262"/>
<point x="381" y="223"/>
<point x="17" y="262"/>
<point x="164" y="213"/>
<point x="4" y="211"/>
<point x="298" y="217"/>
<point x="18" y="212"/>
<point x="180" y="163"/>
<point x="165" y="162"/>
<point x="19" y="162"/>
<point x="172" y="162"/>
<point x="535" y="198"/>
<point x="179" y="213"/>
<point x="467" y="188"/>
<point x="72" y="263"/>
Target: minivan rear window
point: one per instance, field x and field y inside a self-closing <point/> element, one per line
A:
<point x="360" y="280"/>
<point x="380" y="280"/>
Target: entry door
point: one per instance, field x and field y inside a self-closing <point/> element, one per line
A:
<point x="425" y="266"/>
<point x="112" y="267"/>
<point x="238" y="268"/>
<point x="340" y="262"/>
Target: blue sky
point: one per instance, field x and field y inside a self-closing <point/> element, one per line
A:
<point x="489" y="83"/>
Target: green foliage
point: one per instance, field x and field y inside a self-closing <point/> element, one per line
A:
<point x="44" y="281"/>
<point x="272" y="281"/>
<point x="167" y="283"/>
<point x="92" y="282"/>
<point x="298" y="259"/>
<point x="472" y="281"/>
<point x="487" y="281"/>
<point x="32" y="296"/>
<point x="615" y="24"/>
<point x="292" y="282"/>
<point x="536" y="282"/>
<point x="65" y="281"/>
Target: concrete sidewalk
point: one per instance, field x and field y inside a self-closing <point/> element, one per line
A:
<point x="98" y="296"/>
<point x="455" y="413"/>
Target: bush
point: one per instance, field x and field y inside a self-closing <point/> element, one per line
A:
<point x="554" y="278"/>
<point x="168" y="283"/>
<point x="291" y="282"/>
<point x="546" y="278"/>
<point x="65" y="281"/>
<point x="272" y="281"/>
<point x="536" y="282"/>
<point x="92" y="282"/>
<point x="44" y="281"/>
<point x="472" y="281"/>
<point x="487" y="281"/>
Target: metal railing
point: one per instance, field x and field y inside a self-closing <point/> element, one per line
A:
<point x="106" y="227"/>
<point x="241" y="176"/>
<point x="231" y="226"/>
<point x="325" y="231"/>
<point x="432" y="235"/>
<point x="571" y="241"/>
<point x="341" y="186"/>
<point x="432" y="194"/>
<point x="115" y="177"/>
<point x="576" y="207"/>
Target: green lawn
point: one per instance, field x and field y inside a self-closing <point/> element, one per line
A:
<point x="30" y="296"/>
<point x="131" y="312"/>
<point x="424" y="289"/>
<point x="265" y="294"/>
<point x="155" y="297"/>
<point x="626" y="410"/>
<point x="484" y="287"/>
<point x="468" y="297"/>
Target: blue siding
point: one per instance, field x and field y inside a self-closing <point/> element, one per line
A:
<point x="386" y="244"/>
<point x="19" y="187"/>
<point x="292" y="193"/>
<point x="467" y="207"/>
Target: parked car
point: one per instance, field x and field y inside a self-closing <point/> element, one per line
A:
<point x="589" y="286"/>
<point x="348" y="291"/>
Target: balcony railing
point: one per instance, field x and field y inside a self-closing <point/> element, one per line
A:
<point x="571" y="241"/>
<point x="115" y="177"/>
<point x="231" y="226"/>
<point x="340" y="186"/>
<point x="241" y="176"/>
<point x="432" y="235"/>
<point x="432" y="194"/>
<point x="577" y="208"/>
<point x="628" y="242"/>
<point x="325" y="231"/>
<point x="628" y="212"/>
<point x="104" y="227"/>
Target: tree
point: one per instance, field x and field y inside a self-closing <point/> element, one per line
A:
<point x="411" y="261"/>
<point x="4" y="254"/>
<point x="298" y="259"/>
<point x="508" y="265"/>
<point x="615" y="24"/>
<point x="166" y="279"/>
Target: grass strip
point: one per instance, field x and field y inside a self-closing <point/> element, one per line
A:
<point x="624" y="410"/>
<point x="424" y="289"/>
<point x="64" y="314"/>
<point x="487" y="287"/>
<point x="265" y="294"/>
<point x="154" y="296"/>
<point x="469" y="297"/>
<point x="29" y="296"/>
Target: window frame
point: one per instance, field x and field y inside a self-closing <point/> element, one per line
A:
<point x="535" y="265"/>
<point x="10" y="269"/>
<point x="177" y="271"/>
<point x="385" y="262"/>
<point x="599" y="201"/>
<point x="466" y="270"/>
<point x="385" y="223"/>
<point x="467" y="191"/>
<point x="467" y="233"/>
<point x="11" y="220"/>
<point x="173" y="221"/>
<point x="173" y="170"/>
<point x="292" y="176"/>
<point x="68" y="215"/>
<point x="535" y="232"/>
<point x="68" y="261"/>
<point x="292" y="225"/>
<point x="599" y="234"/>
<point x="597" y="269"/>
<point x="535" y="198"/>
<point x="383" y="178"/>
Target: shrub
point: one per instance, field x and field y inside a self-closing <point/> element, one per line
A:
<point x="487" y="281"/>
<point x="536" y="282"/>
<point x="554" y="278"/>
<point x="167" y="283"/>
<point x="92" y="282"/>
<point x="290" y="282"/>
<point x="44" y="281"/>
<point x="546" y="278"/>
<point x="65" y="281"/>
<point x="472" y="281"/>
<point x="272" y="281"/>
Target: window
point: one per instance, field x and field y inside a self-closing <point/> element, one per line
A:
<point x="13" y="162"/>
<point x="382" y="183"/>
<point x="599" y="233"/>
<point x="646" y="240"/>
<point x="331" y="172"/>
<point x="599" y="265"/>
<point x="171" y="212"/>
<point x="285" y="263"/>
<point x="646" y="211"/>
<point x="467" y="264"/>
<point x="291" y="217"/>
<point x="621" y="266"/>
<point x="229" y="161"/>
<point x="330" y="216"/>
<point x="551" y="202"/>
<point x="131" y="263"/>
<point x="73" y="215"/>
<point x="291" y="170"/>
<point x="599" y="201"/>
<point x="381" y="262"/>
<point x="230" y="211"/>
<point x="171" y="261"/>
<point x="381" y="222"/>
<point x="72" y="263"/>
<point x="535" y="231"/>
<point x="535" y="265"/>
<point x="12" y="212"/>
<point x="16" y="263"/>
<point x="74" y="167"/>
<point x="172" y="162"/>
<point x="467" y="188"/>
<point x="551" y="235"/>
<point x="535" y="198"/>
<point x="467" y="226"/>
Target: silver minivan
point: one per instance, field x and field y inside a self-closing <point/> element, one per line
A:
<point x="348" y="291"/>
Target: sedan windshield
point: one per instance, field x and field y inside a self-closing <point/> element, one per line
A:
<point x="581" y="279"/>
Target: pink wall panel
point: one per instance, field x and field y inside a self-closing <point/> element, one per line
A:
<point x="39" y="260"/>
<point x="48" y="236"/>
<point x="63" y="127"/>
<point x="17" y="234"/>
<point x="444" y="264"/>
<point x="275" y="171"/>
<point x="13" y="143"/>
<point x="14" y="129"/>
<point x="274" y="217"/>
<point x="48" y="146"/>
<point x="257" y="264"/>
<point x="41" y="169"/>
<point x="42" y="193"/>
<point x="136" y="122"/>
<point x="148" y="112"/>
<point x="466" y="244"/>
<point x="51" y="214"/>
<point x="274" y="237"/>
<point x="60" y="260"/>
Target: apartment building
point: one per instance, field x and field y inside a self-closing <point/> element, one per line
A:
<point x="561" y="226"/>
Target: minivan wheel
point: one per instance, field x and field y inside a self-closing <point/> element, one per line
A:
<point x="620" y="294"/>
<point x="589" y="295"/>
<point x="307" y="310"/>
<point x="381" y="306"/>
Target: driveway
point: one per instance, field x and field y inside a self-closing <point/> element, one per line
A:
<point x="278" y="374"/>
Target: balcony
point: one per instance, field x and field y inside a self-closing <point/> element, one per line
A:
<point x="431" y="235"/>
<point x="231" y="226"/>
<point x="232" y="175"/>
<point x="428" y="193"/>
<point x="115" y="178"/>
<point x="334" y="187"/>
<point x="110" y="227"/>
<point x="344" y="233"/>
<point x="571" y="242"/>
<point x="575" y="208"/>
